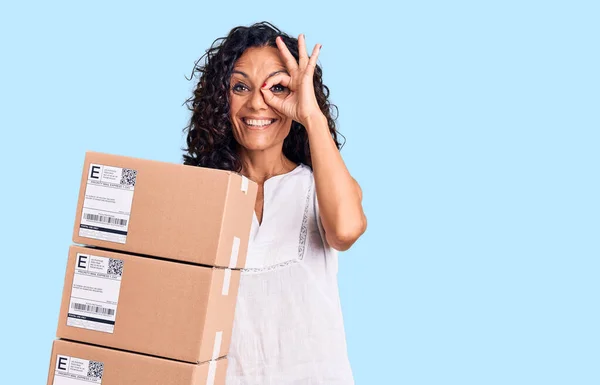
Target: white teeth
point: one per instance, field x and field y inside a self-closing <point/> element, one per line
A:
<point x="258" y="123"/>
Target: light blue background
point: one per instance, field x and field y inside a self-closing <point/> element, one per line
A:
<point x="471" y="126"/>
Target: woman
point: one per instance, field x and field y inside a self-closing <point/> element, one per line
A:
<point x="260" y="108"/>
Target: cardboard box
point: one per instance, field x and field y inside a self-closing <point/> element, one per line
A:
<point x="168" y="210"/>
<point x="73" y="363"/>
<point x="169" y="309"/>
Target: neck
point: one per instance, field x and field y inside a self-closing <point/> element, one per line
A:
<point x="261" y="165"/>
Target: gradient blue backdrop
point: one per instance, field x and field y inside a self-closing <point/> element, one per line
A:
<point x="473" y="128"/>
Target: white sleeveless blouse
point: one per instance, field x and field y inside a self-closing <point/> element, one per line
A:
<point x="288" y="327"/>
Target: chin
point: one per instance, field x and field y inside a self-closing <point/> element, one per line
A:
<point x="257" y="146"/>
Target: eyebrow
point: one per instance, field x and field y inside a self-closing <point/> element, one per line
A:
<point x="270" y="75"/>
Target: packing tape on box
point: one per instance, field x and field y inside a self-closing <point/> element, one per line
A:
<point x="212" y="371"/>
<point x="212" y="364"/>
<point x="244" y="184"/>
<point x="226" y="282"/>
<point x="235" y="250"/>
<point x="217" y="345"/>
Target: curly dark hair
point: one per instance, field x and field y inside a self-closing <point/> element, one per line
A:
<point x="210" y="140"/>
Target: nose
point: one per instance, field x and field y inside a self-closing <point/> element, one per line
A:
<point x="257" y="100"/>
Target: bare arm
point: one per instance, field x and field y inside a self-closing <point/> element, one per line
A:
<point x="339" y="195"/>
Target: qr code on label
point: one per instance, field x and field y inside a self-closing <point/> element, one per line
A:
<point x="96" y="369"/>
<point x="115" y="266"/>
<point x="128" y="177"/>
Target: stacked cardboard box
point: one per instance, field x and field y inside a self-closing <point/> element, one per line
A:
<point x="150" y="291"/>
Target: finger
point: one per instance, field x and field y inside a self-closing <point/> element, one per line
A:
<point x="288" y="58"/>
<point x="281" y="78"/>
<point x="302" y="53"/>
<point x="312" y="63"/>
<point x="272" y="100"/>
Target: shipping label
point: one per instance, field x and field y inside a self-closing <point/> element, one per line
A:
<point x="95" y="293"/>
<point x="107" y="203"/>
<point x="76" y="371"/>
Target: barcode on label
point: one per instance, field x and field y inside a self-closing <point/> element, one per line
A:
<point x="92" y="309"/>
<point x="105" y="219"/>
<point x="96" y="369"/>
<point x="128" y="177"/>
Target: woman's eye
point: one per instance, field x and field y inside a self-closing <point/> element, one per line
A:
<point x="239" y="87"/>
<point x="278" y="88"/>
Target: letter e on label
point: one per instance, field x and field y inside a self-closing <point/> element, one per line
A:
<point x="82" y="261"/>
<point x="61" y="363"/>
<point x="95" y="172"/>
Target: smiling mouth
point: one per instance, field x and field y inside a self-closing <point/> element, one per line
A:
<point x="254" y="124"/>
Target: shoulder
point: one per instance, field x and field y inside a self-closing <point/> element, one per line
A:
<point x="304" y="170"/>
<point x="296" y="182"/>
<point x="306" y="173"/>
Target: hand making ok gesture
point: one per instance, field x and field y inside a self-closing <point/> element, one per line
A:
<point x="301" y="103"/>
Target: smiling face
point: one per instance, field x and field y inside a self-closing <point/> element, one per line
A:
<point x="257" y="126"/>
